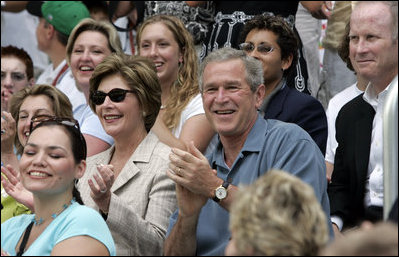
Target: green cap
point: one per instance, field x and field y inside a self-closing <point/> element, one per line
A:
<point x="64" y="15"/>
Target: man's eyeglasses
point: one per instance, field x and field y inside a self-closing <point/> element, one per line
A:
<point x="116" y="95"/>
<point x="261" y="48"/>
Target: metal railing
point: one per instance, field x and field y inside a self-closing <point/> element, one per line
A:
<point x="390" y="135"/>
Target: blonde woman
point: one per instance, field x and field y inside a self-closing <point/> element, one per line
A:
<point x="165" y="40"/>
<point x="88" y="44"/>
<point x="277" y="215"/>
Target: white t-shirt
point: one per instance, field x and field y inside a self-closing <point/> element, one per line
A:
<point x="49" y="74"/>
<point x="67" y="84"/>
<point x="194" y="107"/>
<point x="374" y="194"/>
<point x="334" y="106"/>
<point x="90" y="124"/>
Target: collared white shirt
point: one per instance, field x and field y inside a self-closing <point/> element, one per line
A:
<point x="374" y="191"/>
<point x="68" y="86"/>
<point x="66" y="83"/>
<point x="374" y="194"/>
<point x="49" y="74"/>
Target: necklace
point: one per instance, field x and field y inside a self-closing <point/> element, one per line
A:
<point x="39" y="221"/>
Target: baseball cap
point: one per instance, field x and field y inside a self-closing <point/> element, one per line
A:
<point x="63" y="15"/>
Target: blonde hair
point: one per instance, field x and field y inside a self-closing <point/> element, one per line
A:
<point x="278" y="215"/>
<point x="104" y="27"/>
<point x="61" y="105"/>
<point x="186" y="85"/>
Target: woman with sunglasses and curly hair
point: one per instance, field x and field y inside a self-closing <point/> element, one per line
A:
<point x="165" y="40"/>
<point x="54" y="157"/>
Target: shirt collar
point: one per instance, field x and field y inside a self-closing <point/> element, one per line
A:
<point x="371" y="97"/>
<point x="256" y="135"/>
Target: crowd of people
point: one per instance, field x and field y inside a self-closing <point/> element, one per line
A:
<point x="194" y="128"/>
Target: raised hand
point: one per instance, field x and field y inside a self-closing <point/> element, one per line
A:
<point x="195" y="179"/>
<point x="13" y="186"/>
<point x="8" y="131"/>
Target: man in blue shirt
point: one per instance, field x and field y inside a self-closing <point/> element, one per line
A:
<point x="248" y="146"/>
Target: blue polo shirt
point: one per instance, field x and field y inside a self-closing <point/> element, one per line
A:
<point x="270" y="144"/>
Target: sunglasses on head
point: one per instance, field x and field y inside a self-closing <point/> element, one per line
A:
<point x="116" y="95"/>
<point x="70" y="122"/>
<point x="47" y="118"/>
<point x="261" y="48"/>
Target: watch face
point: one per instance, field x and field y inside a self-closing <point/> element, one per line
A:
<point x="221" y="193"/>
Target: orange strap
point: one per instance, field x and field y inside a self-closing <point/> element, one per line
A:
<point x="59" y="74"/>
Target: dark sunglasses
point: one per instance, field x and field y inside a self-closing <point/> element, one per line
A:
<point x="261" y="48"/>
<point x="116" y="95"/>
<point x="70" y="122"/>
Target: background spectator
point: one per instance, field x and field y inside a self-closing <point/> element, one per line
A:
<point x="56" y="21"/>
<point x="129" y="14"/>
<point x="335" y="104"/>
<point x="335" y="75"/>
<point x="16" y="73"/>
<point x="356" y="189"/>
<point x="231" y="16"/>
<point x="270" y="39"/>
<point x="277" y="215"/>
<point x="98" y="10"/>
<point x="166" y="41"/>
<point x="18" y="28"/>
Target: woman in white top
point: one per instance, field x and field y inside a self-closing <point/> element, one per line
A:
<point x="166" y="41"/>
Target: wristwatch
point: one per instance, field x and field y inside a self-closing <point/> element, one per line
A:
<point x="221" y="192"/>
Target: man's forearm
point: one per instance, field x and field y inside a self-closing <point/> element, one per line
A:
<point x="182" y="239"/>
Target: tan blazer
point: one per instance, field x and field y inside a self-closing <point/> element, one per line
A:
<point x="143" y="198"/>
